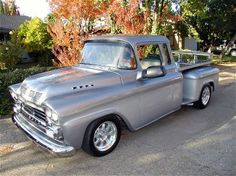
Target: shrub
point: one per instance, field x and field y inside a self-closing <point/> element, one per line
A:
<point x="43" y="58"/>
<point x="8" y="78"/>
<point x="9" y="55"/>
<point x="33" y="36"/>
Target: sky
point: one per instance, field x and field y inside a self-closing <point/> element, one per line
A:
<point x="33" y="8"/>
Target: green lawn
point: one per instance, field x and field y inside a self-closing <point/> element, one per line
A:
<point x="226" y="59"/>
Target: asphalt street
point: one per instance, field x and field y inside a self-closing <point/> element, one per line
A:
<point x="187" y="142"/>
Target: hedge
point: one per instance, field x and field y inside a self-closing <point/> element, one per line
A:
<point x="8" y="78"/>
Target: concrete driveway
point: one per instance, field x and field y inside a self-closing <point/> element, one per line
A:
<point x="187" y="142"/>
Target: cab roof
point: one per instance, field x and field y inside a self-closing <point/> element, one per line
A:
<point x="132" y="39"/>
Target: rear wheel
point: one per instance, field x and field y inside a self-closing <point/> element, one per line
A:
<point x="204" y="98"/>
<point x="102" y="136"/>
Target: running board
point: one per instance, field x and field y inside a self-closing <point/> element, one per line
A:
<point x="187" y="101"/>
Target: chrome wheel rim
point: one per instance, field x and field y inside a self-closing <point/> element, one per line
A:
<point x="206" y="93"/>
<point x="105" y="136"/>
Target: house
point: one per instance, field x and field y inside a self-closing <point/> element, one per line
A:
<point x="9" y="23"/>
<point x="178" y="42"/>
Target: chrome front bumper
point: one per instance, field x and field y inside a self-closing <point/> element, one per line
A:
<point x="41" y="139"/>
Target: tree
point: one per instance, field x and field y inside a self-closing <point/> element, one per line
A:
<point x="71" y="26"/>
<point x="213" y="20"/>
<point x="13" y="9"/>
<point x="1" y="8"/>
<point x="140" y="17"/>
<point x="8" y="7"/>
<point x="32" y="36"/>
<point x="9" y="55"/>
<point x="73" y="22"/>
<point x="128" y="16"/>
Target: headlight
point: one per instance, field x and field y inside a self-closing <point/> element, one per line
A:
<point x="17" y="107"/>
<point x="14" y="95"/>
<point x="48" y="112"/>
<point x="51" y="115"/>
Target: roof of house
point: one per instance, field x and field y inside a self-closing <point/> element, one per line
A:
<point x="8" y="23"/>
<point x="132" y="39"/>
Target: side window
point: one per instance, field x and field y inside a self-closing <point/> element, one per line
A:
<point x="127" y="59"/>
<point x="166" y="54"/>
<point x="149" y="55"/>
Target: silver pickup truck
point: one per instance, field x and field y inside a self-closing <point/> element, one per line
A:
<point x="122" y="82"/>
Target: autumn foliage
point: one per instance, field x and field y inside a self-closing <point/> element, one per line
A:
<point x="66" y="43"/>
<point x="140" y="16"/>
<point x="73" y="22"/>
<point x="70" y="26"/>
<point x="129" y="17"/>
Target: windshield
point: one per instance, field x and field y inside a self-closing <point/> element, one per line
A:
<point x="109" y="54"/>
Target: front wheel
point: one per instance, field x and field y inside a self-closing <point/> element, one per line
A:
<point x="102" y="136"/>
<point x="204" y="98"/>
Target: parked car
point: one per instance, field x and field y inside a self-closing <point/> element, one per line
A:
<point x="129" y="81"/>
<point x="230" y="51"/>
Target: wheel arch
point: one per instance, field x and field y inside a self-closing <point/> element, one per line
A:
<point x="80" y="125"/>
<point x="211" y="83"/>
<point x="123" y="123"/>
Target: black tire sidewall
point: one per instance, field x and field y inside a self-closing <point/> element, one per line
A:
<point x="88" y="144"/>
<point x="202" y="106"/>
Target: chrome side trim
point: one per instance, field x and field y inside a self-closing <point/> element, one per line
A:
<point x="41" y="139"/>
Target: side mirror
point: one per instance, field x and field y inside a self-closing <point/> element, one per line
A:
<point x="151" y="72"/>
<point x="154" y="71"/>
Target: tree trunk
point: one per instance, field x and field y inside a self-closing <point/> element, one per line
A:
<point x="161" y="10"/>
<point x="160" y="17"/>
<point x="155" y="17"/>
<point x="231" y="42"/>
<point x="210" y="48"/>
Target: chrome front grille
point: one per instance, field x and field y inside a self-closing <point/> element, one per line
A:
<point x="37" y="116"/>
<point x="36" y="119"/>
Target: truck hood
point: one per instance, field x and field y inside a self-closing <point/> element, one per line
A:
<point x="68" y="80"/>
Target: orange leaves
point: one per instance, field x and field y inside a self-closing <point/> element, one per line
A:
<point x="130" y="18"/>
<point x="74" y="22"/>
<point x="71" y="27"/>
<point x="67" y="43"/>
<point x="77" y="9"/>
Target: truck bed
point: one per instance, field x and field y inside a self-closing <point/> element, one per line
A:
<point x="187" y="60"/>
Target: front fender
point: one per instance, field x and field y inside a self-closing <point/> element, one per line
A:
<point x="74" y="129"/>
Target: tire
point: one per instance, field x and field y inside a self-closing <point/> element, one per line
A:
<point x="204" y="97"/>
<point x="102" y="136"/>
<point x="233" y="52"/>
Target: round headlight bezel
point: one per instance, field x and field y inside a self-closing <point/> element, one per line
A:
<point x="48" y="112"/>
<point x="51" y="115"/>
<point x="54" y="117"/>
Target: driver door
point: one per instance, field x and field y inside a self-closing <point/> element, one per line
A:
<point x="156" y="95"/>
